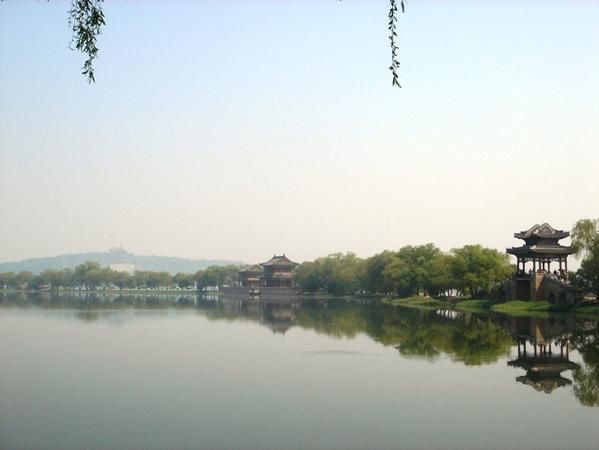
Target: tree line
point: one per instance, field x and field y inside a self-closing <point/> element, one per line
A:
<point x="471" y="270"/>
<point x="91" y="276"/>
<point x="424" y="269"/>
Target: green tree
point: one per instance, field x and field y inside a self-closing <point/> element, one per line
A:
<point x="22" y="279"/>
<point x="7" y="279"/>
<point x="585" y="234"/>
<point x="53" y="278"/>
<point x="341" y="273"/>
<point x="589" y="269"/>
<point x="183" y="280"/>
<point x="477" y="270"/>
<point x="157" y="280"/>
<point x="123" y="280"/>
<point x="410" y="271"/>
<point x="87" y="274"/>
<point x="337" y="274"/>
<point x="140" y="279"/>
<point x="206" y="278"/>
<point x="441" y="281"/>
<point x="374" y="273"/>
<point x="397" y="277"/>
<point x="308" y="277"/>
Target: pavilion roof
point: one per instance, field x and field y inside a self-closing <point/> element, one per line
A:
<point x="542" y="365"/>
<point x="279" y="261"/>
<point x="256" y="268"/>
<point x="544" y="384"/>
<point x="542" y="231"/>
<point x="540" y="250"/>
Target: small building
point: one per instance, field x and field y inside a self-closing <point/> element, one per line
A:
<point x="252" y="276"/>
<point x="277" y="272"/>
<point x="535" y="277"/>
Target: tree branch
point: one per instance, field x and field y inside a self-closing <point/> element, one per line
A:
<point x="86" y="19"/>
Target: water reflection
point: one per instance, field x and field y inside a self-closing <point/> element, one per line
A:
<point x="539" y="348"/>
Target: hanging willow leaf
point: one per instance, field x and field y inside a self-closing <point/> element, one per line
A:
<point x="86" y="19"/>
<point x="393" y="40"/>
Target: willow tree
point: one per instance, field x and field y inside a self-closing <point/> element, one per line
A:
<point x="86" y="19"/>
<point x="585" y="235"/>
<point x="585" y="241"/>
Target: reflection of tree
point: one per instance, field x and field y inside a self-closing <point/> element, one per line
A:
<point x="479" y="342"/>
<point x="339" y="319"/>
<point x="586" y="379"/>
<point x="414" y="333"/>
<point x="419" y="342"/>
<point x="81" y="300"/>
<point x="586" y="385"/>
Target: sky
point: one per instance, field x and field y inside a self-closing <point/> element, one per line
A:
<point x="238" y="129"/>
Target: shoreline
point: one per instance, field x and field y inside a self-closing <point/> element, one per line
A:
<point x="512" y="307"/>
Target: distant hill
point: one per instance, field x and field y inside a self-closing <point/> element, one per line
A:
<point x="119" y="258"/>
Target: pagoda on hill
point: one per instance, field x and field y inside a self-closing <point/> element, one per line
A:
<point x="541" y="247"/>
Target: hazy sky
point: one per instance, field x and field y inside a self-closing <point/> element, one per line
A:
<point x="237" y="129"/>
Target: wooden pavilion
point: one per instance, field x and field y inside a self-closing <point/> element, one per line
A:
<point x="251" y="277"/>
<point x="541" y="247"/>
<point x="278" y="272"/>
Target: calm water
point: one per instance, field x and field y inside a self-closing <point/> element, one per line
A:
<point x="167" y="372"/>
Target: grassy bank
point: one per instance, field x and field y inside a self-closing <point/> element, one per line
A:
<point x="514" y="307"/>
<point x="418" y="302"/>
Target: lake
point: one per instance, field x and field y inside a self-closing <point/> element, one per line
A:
<point x="164" y="371"/>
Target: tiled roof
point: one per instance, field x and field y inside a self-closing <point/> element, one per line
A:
<point x="543" y="231"/>
<point x="279" y="261"/>
<point x="256" y="268"/>
<point x="542" y="250"/>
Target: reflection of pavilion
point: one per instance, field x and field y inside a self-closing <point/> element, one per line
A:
<point x="279" y="316"/>
<point x="544" y="352"/>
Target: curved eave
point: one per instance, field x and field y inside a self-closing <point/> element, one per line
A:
<point x="279" y="264"/>
<point x="542" y="251"/>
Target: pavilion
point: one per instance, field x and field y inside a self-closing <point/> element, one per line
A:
<point x="277" y="272"/>
<point x="541" y="248"/>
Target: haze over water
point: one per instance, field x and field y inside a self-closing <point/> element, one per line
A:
<point x="106" y="372"/>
